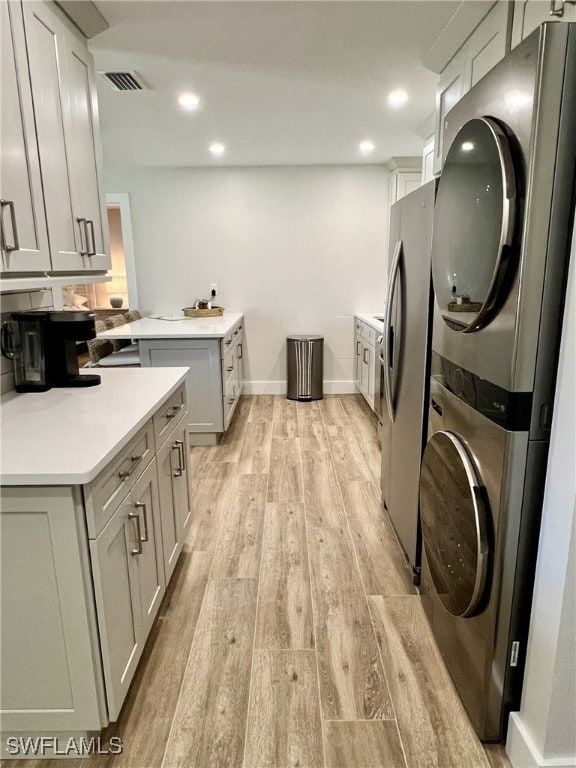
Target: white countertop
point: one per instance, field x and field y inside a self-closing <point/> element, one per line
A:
<point x="67" y="436"/>
<point x="368" y="317"/>
<point x="187" y="328"/>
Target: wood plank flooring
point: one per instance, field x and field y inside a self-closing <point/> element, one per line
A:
<point x="291" y="635"/>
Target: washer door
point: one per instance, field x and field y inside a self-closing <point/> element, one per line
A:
<point x="453" y="514"/>
<point x="473" y="225"/>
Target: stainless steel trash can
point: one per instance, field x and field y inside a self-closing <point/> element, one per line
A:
<point x="305" y="364"/>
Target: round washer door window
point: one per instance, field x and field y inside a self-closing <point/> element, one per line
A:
<point x="473" y="225"/>
<point x="453" y="514"/>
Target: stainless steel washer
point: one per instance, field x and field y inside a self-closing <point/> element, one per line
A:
<point x="480" y="518"/>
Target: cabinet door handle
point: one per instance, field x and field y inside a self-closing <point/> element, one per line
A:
<point x="15" y="239"/>
<point x="230" y="368"/>
<point x="142" y="506"/>
<point x="91" y="250"/>
<point x="231" y="401"/>
<point x="124" y="473"/>
<point x="364" y="356"/>
<point x="83" y="236"/>
<point x="179" y="470"/>
<point x="228" y="342"/>
<point x="236" y="332"/>
<point x="136" y="516"/>
<point x="240" y="351"/>
<point x="180" y="444"/>
<point x="357" y="348"/>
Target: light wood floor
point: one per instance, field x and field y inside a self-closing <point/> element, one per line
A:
<point x="291" y="635"/>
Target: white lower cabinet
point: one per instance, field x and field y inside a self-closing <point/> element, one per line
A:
<point x="365" y="357"/>
<point x="215" y="380"/>
<point x="84" y="570"/>
<point x="174" y="488"/>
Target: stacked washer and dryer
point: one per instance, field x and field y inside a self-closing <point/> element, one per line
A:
<point x="503" y="219"/>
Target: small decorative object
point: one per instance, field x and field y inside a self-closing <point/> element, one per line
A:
<point x="116" y="301"/>
<point x="197" y="312"/>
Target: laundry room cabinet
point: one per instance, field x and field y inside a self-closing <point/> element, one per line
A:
<point x="481" y="51"/>
<point x="59" y="136"/>
<point x="528" y="14"/>
<point x="23" y="232"/>
<point x="365" y="356"/>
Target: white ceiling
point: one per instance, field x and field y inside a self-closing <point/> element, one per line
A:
<point x="281" y="83"/>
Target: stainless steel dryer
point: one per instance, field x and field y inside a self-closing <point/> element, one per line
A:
<point x="502" y="229"/>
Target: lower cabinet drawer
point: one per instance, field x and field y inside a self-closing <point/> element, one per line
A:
<point x="103" y="494"/>
<point x="168" y="414"/>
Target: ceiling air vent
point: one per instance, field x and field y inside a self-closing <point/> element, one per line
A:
<point x="124" y="81"/>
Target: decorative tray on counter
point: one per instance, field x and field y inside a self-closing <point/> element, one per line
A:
<point x="193" y="312"/>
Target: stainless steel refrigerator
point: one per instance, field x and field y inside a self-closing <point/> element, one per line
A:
<point x="404" y="364"/>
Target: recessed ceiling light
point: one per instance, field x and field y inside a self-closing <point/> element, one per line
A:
<point x="366" y="147"/>
<point x="217" y="149"/>
<point x="467" y="146"/>
<point x="189" y="101"/>
<point x="397" y="98"/>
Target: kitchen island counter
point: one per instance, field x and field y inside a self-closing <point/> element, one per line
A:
<point x="187" y="328"/>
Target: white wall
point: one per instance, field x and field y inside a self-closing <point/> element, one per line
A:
<point x="298" y="250"/>
<point x="543" y="733"/>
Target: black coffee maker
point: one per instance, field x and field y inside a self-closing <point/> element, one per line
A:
<point x="43" y="347"/>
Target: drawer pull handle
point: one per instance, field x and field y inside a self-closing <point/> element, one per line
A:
<point x="231" y="400"/>
<point x="142" y="506"/>
<point x="230" y="368"/>
<point x="124" y="473"/>
<point x="228" y="342"/>
<point x="136" y="516"/>
<point x="180" y="444"/>
<point x="236" y="332"/>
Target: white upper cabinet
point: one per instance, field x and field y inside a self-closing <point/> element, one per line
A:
<point x="23" y="235"/>
<point x="59" y="75"/>
<point x="85" y="151"/>
<point x="479" y="53"/>
<point x="528" y="14"/>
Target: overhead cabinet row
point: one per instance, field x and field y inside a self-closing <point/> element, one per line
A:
<point x="52" y="214"/>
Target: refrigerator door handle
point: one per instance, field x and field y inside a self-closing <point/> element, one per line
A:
<point x="387" y="328"/>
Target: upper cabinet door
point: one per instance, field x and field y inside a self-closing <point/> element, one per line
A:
<point x="23" y="236"/>
<point x="84" y="150"/>
<point x="67" y="138"/>
<point x="46" y="60"/>
<point x="528" y="14"/>
<point x="451" y="88"/>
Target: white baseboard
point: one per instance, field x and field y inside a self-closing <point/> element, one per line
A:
<point x="279" y="388"/>
<point x="522" y="751"/>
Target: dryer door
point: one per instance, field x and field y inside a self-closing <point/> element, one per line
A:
<point x="473" y="225"/>
<point x="454" y="529"/>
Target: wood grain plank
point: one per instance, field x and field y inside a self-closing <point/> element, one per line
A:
<point x="284" y="718"/>
<point x="146" y="717"/>
<point x="230" y="446"/>
<point x="210" y="719"/>
<point x="363" y="745"/>
<point x="285" y="479"/>
<point x="311" y="427"/>
<point x="496" y="756"/>
<point x="262" y="408"/>
<point x="352" y="681"/>
<point x="433" y="725"/>
<point x="346" y="455"/>
<point x="365" y="427"/>
<point x="255" y="454"/>
<point x="285" y="419"/>
<point x="237" y="554"/>
<point x="210" y="504"/>
<point x="284" y="604"/>
<point x="383" y="568"/>
<point x="198" y="457"/>
<point x="333" y="414"/>
<point x="324" y="505"/>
